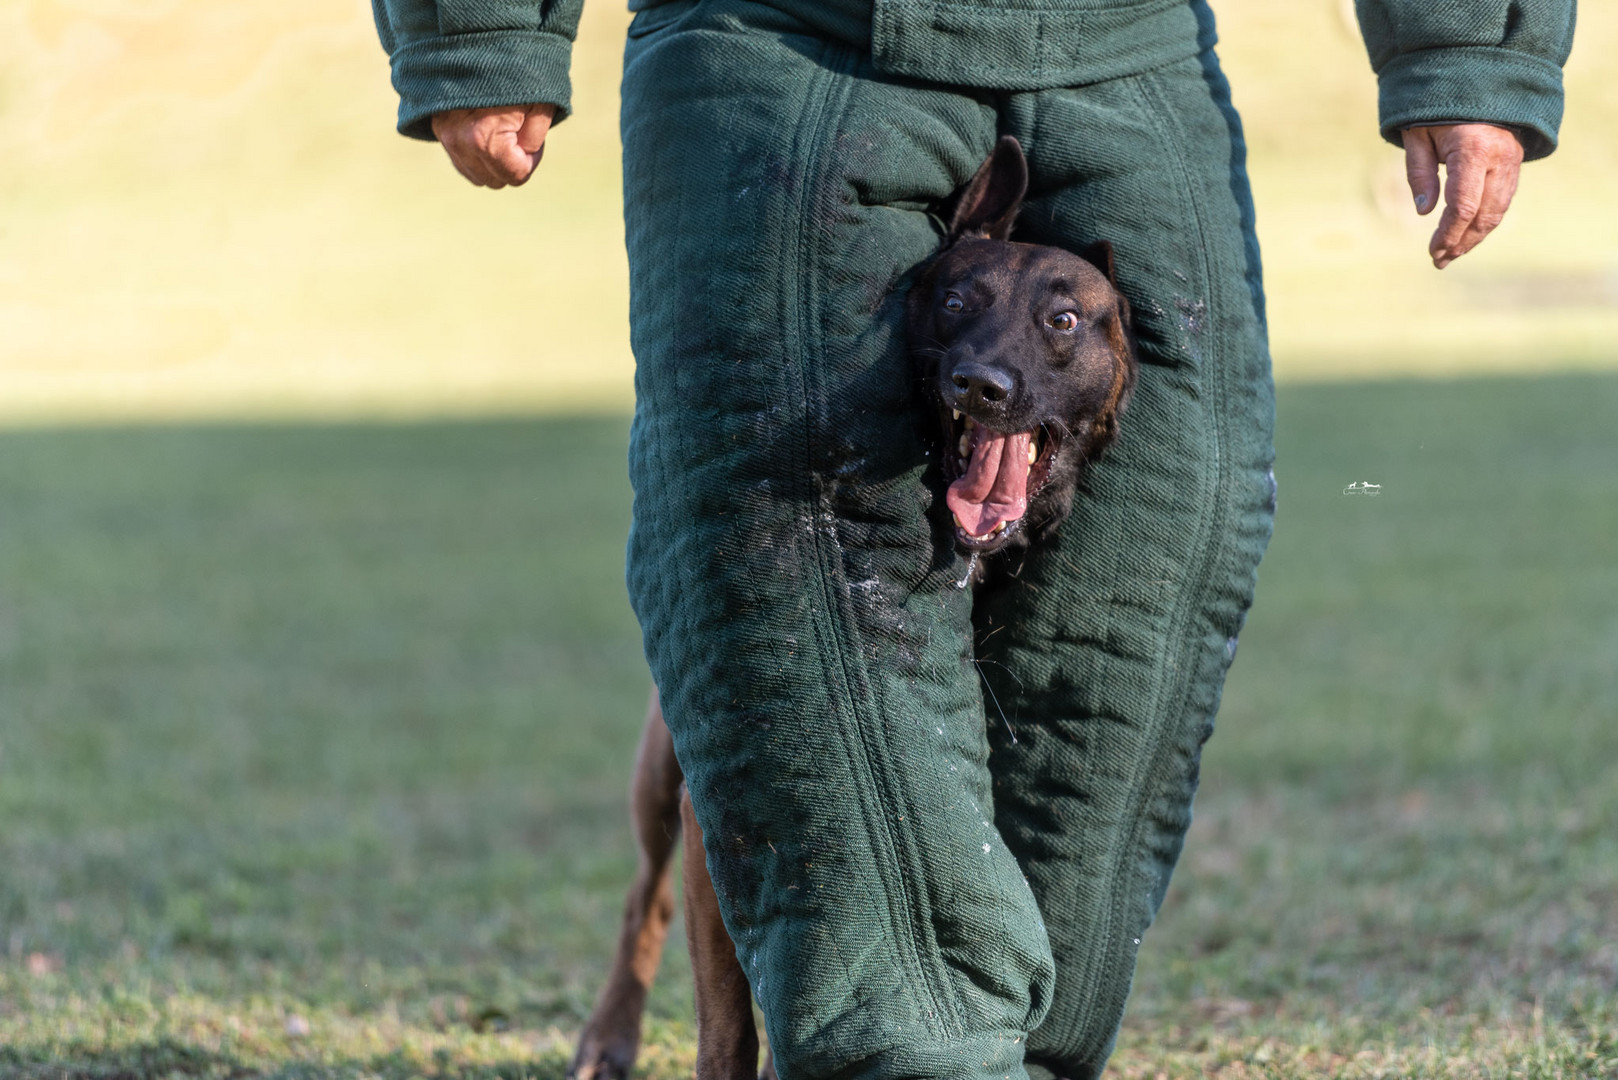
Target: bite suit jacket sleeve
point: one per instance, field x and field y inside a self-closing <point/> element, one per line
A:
<point x="468" y="54"/>
<point x="1497" y="61"/>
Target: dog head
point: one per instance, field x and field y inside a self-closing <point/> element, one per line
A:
<point x="1027" y="355"/>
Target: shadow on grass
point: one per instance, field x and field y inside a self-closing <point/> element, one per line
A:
<point x="172" y="1058"/>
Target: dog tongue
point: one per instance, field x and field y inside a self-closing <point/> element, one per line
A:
<point x="995" y="487"/>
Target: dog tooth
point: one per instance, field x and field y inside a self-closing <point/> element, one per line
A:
<point x="955" y="414"/>
<point x="965" y="446"/>
<point x="1033" y="452"/>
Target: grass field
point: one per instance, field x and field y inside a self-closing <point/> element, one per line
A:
<point x="313" y="742"/>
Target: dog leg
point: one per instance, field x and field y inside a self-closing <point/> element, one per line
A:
<point x="727" y="1041"/>
<point x="611" y="1037"/>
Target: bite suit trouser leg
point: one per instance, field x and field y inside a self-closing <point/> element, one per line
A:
<point x="796" y="582"/>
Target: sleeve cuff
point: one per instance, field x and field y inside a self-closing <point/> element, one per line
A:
<point x="474" y="71"/>
<point x="1477" y="83"/>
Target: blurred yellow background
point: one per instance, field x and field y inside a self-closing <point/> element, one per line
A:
<point x="204" y="212"/>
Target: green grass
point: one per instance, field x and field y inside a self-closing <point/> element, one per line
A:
<point x="313" y="743"/>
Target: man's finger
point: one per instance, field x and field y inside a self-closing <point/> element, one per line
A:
<point x="1421" y="168"/>
<point x="471" y="162"/>
<point x="463" y="164"/>
<point x="519" y="152"/>
<point x="535" y="126"/>
<point x="1501" y="185"/>
<point x="466" y="173"/>
<point x="455" y="136"/>
<point x="492" y="137"/>
<point x="494" y="147"/>
<point x="1465" y="177"/>
<point x="497" y="141"/>
<point x="483" y="172"/>
<point x="445" y="139"/>
<point x="514" y="164"/>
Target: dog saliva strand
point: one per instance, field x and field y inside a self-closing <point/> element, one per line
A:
<point x="971" y="565"/>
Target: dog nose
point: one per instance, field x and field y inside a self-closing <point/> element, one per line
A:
<point x="979" y="384"/>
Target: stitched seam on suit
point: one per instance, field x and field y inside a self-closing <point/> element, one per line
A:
<point x="781" y="665"/>
<point x="815" y="630"/>
<point x="1210" y="545"/>
<point x="1168" y="700"/>
<point x="914" y="932"/>
<point x="798" y="556"/>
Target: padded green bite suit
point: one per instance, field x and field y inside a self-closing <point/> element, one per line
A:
<point x="938" y="827"/>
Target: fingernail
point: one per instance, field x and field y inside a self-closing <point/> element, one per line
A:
<point x="1421" y="204"/>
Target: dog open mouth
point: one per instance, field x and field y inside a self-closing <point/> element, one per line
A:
<point x="993" y="476"/>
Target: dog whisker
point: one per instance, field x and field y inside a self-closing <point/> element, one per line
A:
<point x="1002" y="667"/>
<point x="994" y="698"/>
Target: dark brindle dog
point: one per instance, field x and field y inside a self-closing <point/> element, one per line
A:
<point x="1027" y="356"/>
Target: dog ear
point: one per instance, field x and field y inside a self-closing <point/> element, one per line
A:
<point x="1126" y="317"/>
<point x="1126" y="369"/>
<point x="1099" y="255"/>
<point x="1121" y="329"/>
<point x="988" y="204"/>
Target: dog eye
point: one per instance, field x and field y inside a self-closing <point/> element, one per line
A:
<point x="1065" y="320"/>
<point x="952" y="302"/>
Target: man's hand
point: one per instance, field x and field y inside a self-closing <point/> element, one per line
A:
<point x="1481" y="162"/>
<point x="495" y="147"/>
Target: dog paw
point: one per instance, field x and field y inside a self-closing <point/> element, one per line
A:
<point x="602" y="1058"/>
